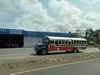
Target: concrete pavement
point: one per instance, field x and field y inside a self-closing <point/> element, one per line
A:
<point x="12" y="53"/>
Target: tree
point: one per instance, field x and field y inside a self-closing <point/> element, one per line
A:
<point x="93" y="35"/>
<point x="97" y="36"/>
<point x="89" y="32"/>
<point x="80" y="33"/>
<point x="97" y="33"/>
<point x="89" y="39"/>
<point x="75" y="35"/>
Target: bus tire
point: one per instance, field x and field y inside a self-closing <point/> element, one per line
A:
<point x="75" y="50"/>
<point x="38" y="53"/>
<point x="44" y="52"/>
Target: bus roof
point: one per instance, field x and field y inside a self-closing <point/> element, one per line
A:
<point x="64" y="38"/>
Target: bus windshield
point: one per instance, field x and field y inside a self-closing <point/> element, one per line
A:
<point x="45" y="40"/>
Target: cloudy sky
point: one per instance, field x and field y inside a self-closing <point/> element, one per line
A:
<point x="50" y="15"/>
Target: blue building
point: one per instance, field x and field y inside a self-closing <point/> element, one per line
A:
<point x="9" y="37"/>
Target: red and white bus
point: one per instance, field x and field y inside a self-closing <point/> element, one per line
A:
<point x="52" y="43"/>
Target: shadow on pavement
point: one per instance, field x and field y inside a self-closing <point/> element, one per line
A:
<point x="54" y="53"/>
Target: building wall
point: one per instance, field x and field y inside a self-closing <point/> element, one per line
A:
<point x="29" y="38"/>
<point x="30" y="41"/>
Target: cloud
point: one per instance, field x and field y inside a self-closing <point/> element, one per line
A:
<point x="90" y="2"/>
<point x="69" y="13"/>
<point x="8" y="13"/>
<point x="38" y="19"/>
<point x="5" y="7"/>
<point x="32" y="15"/>
<point x="64" y="8"/>
<point x="93" y="16"/>
<point x="71" y="16"/>
<point x="91" y="20"/>
<point x="35" y="17"/>
<point x="85" y="24"/>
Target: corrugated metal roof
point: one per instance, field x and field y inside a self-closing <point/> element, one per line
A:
<point x="34" y="33"/>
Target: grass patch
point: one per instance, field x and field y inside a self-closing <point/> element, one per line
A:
<point x="23" y="64"/>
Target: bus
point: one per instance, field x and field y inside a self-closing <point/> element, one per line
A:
<point x="53" y="43"/>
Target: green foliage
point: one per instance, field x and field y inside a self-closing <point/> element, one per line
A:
<point x="75" y="35"/>
<point x="93" y="35"/>
<point x="90" y="39"/>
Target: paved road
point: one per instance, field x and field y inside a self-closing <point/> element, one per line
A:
<point x="79" y="68"/>
<point x="12" y="53"/>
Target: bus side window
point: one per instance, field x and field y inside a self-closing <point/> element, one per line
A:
<point x="59" y="41"/>
<point x="69" y="42"/>
<point x="77" y="42"/>
<point x="80" y="42"/>
<point x="72" y="42"/>
<point x="56" y="42"/>
<point x="66" y="42"/>
<point x="63" y="42"/>
<point x="83" y="42"/>
<point x="51" y="42"/>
